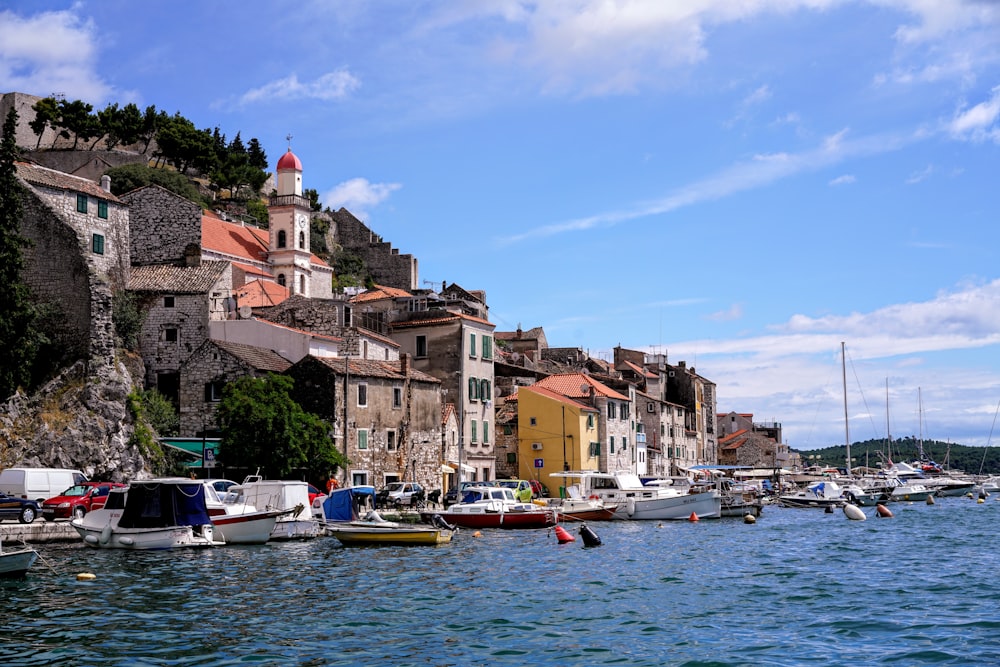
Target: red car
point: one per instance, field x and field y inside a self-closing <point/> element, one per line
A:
<point x="77" y="500"/>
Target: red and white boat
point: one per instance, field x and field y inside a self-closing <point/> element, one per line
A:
<point x="496" y="507"/>
<point x="238" y="522"/>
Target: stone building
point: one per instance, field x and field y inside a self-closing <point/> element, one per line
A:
<point x="207" y="370"/>
<point x="179" y="303"/>
<point x="391" y="418"/>
<point x="79" y="254"/>
<point x="384" y="263"/>
<point x="457" y="349"/>
<point x="697" y="394"/>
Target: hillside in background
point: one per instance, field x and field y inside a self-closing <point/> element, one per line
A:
<point x="972" y="460"/>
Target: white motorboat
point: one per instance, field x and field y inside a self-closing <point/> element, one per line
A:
<point x="151" y="514"/>
<point x="636" y="502"/>
<point x="15" y="564"/>
<point x="818" y="494"/>
<point x="289" y="497"/>
<point x="910" y="491"/>
<point x="238" y="522"/>
<point x="494" y="507"/>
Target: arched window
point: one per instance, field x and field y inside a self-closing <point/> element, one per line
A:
<point x="302" y="284"/>
<point x="281" y="279"/>
<point x="281" y="238"/>
<point x="302" y="240"/>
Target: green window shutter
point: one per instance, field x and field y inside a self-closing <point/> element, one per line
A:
<point x="102" y="209"/>
<point x="98" y="244"/>
<point x="81" y="203"/>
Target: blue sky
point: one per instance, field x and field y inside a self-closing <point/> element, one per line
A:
<point x="740" y="185"/>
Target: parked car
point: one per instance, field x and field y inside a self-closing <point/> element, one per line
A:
<point x="22" y="509"/>
<point x="38" y="483"/>
<point x="314" y="493"/>
<point x="401" y="493"/>
<point x="77" y="500"/>
<point x="451" y="497"/>
<point x="522" y="488"/>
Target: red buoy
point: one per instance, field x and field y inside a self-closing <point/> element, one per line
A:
<point x="563" y="536"/>
<point x="883" y="511"/>
<point x="693" y="517"/>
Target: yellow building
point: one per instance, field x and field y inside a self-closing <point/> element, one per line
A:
<point x="555" y="433"/>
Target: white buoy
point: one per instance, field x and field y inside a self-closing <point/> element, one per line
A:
<point x="749" y="518"/>
<point x="853" y="512"/>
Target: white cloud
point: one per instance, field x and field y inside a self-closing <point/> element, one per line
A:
<point x="734" y="312"/>
<point x="979" y="122"/>
<point x="922" y="175"/>
<point x="333" y="85"/>
<point x="358" y="196"/>
<point x="51" y="53"/>
<point x="846" y="179"/>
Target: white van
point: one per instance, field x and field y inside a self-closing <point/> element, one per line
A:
<point x="38" y="483"/>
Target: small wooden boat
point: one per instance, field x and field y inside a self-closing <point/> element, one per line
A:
<point x="373" y="530"/>
<point x="14" y="564"/>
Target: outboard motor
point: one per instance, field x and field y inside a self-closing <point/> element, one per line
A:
<point x="590" y="538"/>
<point x="439" y="522"/>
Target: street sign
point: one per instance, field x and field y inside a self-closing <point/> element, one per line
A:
<point x="208" y="456"/>
<point x="539" y="463"/>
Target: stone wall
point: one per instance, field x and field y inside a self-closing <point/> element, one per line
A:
<point x="164" y="226"/>
<point x="385" y="264"/>
<point x="170" y="334"/>
<point x="207" y="364"/>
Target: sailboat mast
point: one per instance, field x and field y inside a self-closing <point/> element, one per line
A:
<point x="847" y="429"/>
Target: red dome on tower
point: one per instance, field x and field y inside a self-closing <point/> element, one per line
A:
<point x="289" y="161"/>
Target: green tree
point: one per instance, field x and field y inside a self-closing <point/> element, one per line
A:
<point x="131" y="176"/>
<point x="152" y="120"/>
<point x="46" y="115"/>
<point x="127" y="318"/>
<point x="258" y="158"/>
<point x="75" y="119"/>
<point x="160" y="413"/>
<point x="262" y="426"/>
<point x="17" y="314"/>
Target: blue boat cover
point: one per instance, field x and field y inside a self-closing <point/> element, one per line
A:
<point x="157" y="505"/>
<point x="343" y="504"/>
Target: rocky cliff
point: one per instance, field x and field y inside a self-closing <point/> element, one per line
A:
<point x="81" y="419"/>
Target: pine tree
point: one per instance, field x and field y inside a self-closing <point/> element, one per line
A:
<point x="17" y="315"/>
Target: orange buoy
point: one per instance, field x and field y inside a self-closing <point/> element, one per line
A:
<point x="693" y="517"/>
<point x="883" y="511"/>
<point x="563" y="535"/>
<point x="477" y="534"/>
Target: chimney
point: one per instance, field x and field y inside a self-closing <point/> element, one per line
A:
<point x="404" y="364"/>
<point x="106" y="183"/>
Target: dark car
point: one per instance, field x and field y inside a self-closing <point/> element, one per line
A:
<point x="22" y="509"/>
<point x="77" y="500"/>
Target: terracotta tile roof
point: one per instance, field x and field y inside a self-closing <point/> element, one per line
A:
<point x="256" y="357"/>
<point x="447" y="410"/>
<point x="530" y="334"/>
<point x="261" y="293"/>
<point x="177" y="279"/>
<point x="735" y="440"/>
<point x="50" y="178"/>
<point x="254" y="271"/>
<point x="639" y="370"/>
<point x="556" y="396"/>
<point x="444" y="318"/>
<point x="311" y="334"/>
<point x="374" y="369"/>
<point x="236" y="240"/>
<point x="568" y="384"/>
<point x="378" y="293"/>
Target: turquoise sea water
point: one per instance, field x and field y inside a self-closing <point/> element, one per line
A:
<point x="799" y="587"/>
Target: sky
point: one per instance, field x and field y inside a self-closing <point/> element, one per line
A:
<point x="743" y="186"/>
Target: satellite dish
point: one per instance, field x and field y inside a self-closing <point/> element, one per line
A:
<point x="245" y="312"/>
<point x="584" y="388"/>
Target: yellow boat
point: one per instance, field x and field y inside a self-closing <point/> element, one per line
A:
<point x="377" y="532"/>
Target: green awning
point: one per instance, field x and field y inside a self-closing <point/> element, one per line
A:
<point x="194" y="447"/>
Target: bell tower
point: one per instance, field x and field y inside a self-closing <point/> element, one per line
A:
<point x="288" y="213"/>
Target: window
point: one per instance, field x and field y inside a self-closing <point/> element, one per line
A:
<point x="611" y="410"/>
<point x="534" y="421"/>
<point x="473" y="389"/>
<point x="302" y="240"/>
<point x="362" y="438"/>
<point x="281" y="279"/>
<point x="213" y="391"/>
<point x="348" y="314"/>
<point x="595" y="448"/>
<point x="507" y="430"/>
<point x="102" y="209"/>
<point x="81" y="203"/>
<point x="168" y="301"/>
<point x="611" y="445"/>
<point x="397" y="397"/>
<point x="302" y="284"/>
<point x="473" y="439"/>
<point x="421" y="346"/>
<point x="170" y="335"/>
<point x="624" y="442"/>
<point x="390" y="441"/>
<point x="362" y="395"/>
<point x="484" y="390"/>
<point x="590" y="421"/>
<point x="486" y="432"/>
<point x="472" y="345"/>
<point x="282" y="238"/>
<point x="487" y="347"/>
<point x="98" y="244"/>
